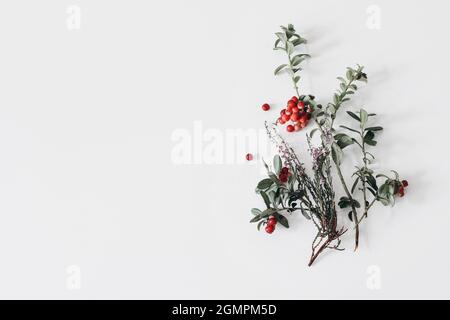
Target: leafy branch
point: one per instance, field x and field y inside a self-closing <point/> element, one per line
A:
<point x="287" y="41"/>
<point x="325" y="121"/>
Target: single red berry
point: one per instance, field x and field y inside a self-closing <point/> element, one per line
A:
<point x="295" y="99"/>
<point x="286" y="117"/>
<point x="282" y="112"/>
<point x="295" y="110"/>
<point x="401" y="191"/>
<point x="405" y="183"/>
<point x="304" y="118"/>
<point x="297" y="127"/>
<point x="272" y="221"/>
<point x="291" y="104"/>
<point x="290" y="128"/>
<point x="270" y="229"/>
<point x="281" y="121"/>
<point x="284" y="170"/>
<point x="303" y="124"/>
<point x="266" y="107"/>
<point x="295" y="117"/>
<point x="249" y="157"/>
<point x="301" y="105"/>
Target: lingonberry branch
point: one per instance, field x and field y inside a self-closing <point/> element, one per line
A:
<point x="290" y="40"/>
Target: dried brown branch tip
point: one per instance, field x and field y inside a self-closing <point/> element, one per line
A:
<point x="290" y="188"/>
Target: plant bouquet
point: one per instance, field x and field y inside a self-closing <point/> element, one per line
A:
<point x="290" y="188"/>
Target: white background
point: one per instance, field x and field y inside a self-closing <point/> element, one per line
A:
<point x="87" y="178"/>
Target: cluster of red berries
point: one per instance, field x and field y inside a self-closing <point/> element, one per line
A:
<point x="401" y="189"/>
<point x="284" y="175"/>
<point x="271" y="223"/>
<point x="297" y="113"/>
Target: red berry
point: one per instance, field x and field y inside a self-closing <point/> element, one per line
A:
<point x="270" y="229"/>
<point x="301" y="104"/>
<point x="405" y="183"/>
<point x="282" y="112"/>
<point x="297" y="127"/>
<point x="283" y="177"/>
<point x="272" y="221"/>
<point x="291" y="104"/>
<point x="281" y="121"/>
<point x="290" y="128"/>
<point x="304" y="118"/>
<point x="286" y="117"/>
<point x="295" y="110"/>
<point x="303" y="124"/>
<point x="249" y="157"/>
<point x="401" y="191"/>
<point x="266" y="107"/>
<point x="295" y="99"/>
<point x="295" y="117"/>
<point x="284" y="170"/>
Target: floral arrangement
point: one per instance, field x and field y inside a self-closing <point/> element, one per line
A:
<point x="290" y="188"/>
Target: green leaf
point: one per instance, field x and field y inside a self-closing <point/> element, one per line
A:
<point x="350" y="216"/>
<point x="255" y="219"/>
<point x="350" y="129"/>
<point x="259" y="225"/>
<point x="282" y="220"/>
<point x="356" y="204"/>
<point x="280" y="68"/>
<point x="372" y="182"/>
<point x="354" y="116"/>
<point x="268" y="212"/>
<point x="397" y="176"/>
<point x="371" y="143"/>
<point x="298" y="41"/>
<point x="289" y="47"/>
<point x="355" y="184"/>
<point x="281" y="36"/>
<point x="265" y="184"/>
<point x="256" y="211"/>
<point x="277" y="42"/>
<point x="277" y="164"/>
<point x="265" y="165"/>
<point x="311" y="134"/>
<point x="274" y="178"/>
<point x="373" y="192"/>
<point x="343" y="140"/>
<point x="265" y="198"/>
<point x="336" y="153"/>
<point x="296" y="79"/>
<point x="344" y="202"/>
<point x="298" y="59"/>
<point x="349" y="74"/>
<point x="364" y="117"/>
<point x="369" y="136"/>
<point x="374" y="129"/>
